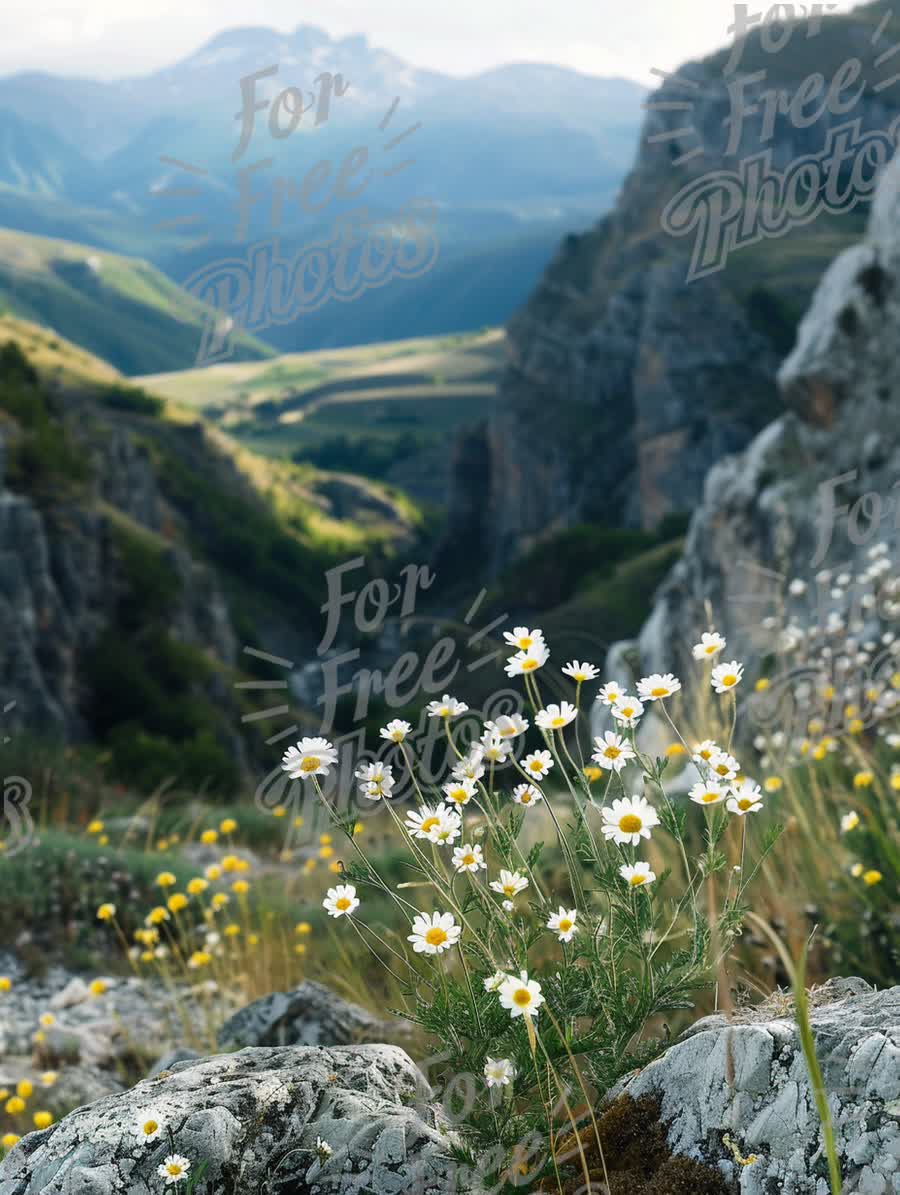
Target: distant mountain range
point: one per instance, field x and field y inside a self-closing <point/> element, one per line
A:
<point x="514" y="158"/>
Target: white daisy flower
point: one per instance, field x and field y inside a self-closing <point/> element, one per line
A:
<point x="499" y="1072"/>
<point x="507" y="905"/>
<point x="657" y="686"/>
<point x="468" y="858"/>
<point x="173" y="1169"/>
<point x="708" y="792"/>
<point x="711" y="643"/>
<point x="723" y="765"/>
<point x="580" y="672"/>
<point x="341" y="901"/>
<point x="563" y="923"/>
<point x="523" y="639"/>
<point x="612" y="751"/>
<point x="527" y="661"/>
<point x="149" y="1127"/>
<point x="493" y="748"/>
<point x="704" y="752"/>
<point x="537" y="764"/>
<point x="459" y="792"/>
<point x="849" y="821"/>
<point x="555" y="717"/>
<point x="527" y="794"/>
<point x="494" y="982"/>
<point x="434" y="933"/>
<point x="627" y="710"/>
<point x="745" y="798"/>
<point x="447" y="707"/>
<point x="637" y="874"/>
<point x="610" y="693"/>
<point x="395" y="731"/>
<point x="310" y="757"/>
<point x="448" y="829"/>
<point x="323" y="1150"/>
<point x="522" y="996"/>
<point x="377" y="780"/>
<point x="628" y="820"/>
<point x="421" y="823"/>
<point x="508" y="726"/>
<point x="470" y="767"/>
<point x="510" y="884"/>
<point x="726" y="676"/>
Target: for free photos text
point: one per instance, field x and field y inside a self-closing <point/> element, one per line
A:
<point x="360" y="252"/>
<point x="727" y="209"/>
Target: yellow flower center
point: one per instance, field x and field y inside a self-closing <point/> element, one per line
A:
<point x="710" y="798"/>
<point x="310" y="763"/>
<point x="429" y="824"/>
<point x="397" y="736"/>
<point x="565" y="925"/>
<point x="509" y="889"/>
<point x="659" y="692"/>
<point x="150" y="1127"/>
<point x="710" y="649"/>
<point x="536" y="765"/>
<point x="525" y="642"/>
<point x="174" y="1169"/>
<point x="459" y="795"/>
<point x="342" y="903"/>
<point x="526" y="798"/>
<point x="627" y="710"/>
<point x="522" y="997"/>
<point x="744" y="803"/>
<point x="612" y="752"/>
<point x="436" y="936"/>
<point x="529" y="665"/>
<point x="721" y="769"/>
<point x="557" y="722"/>
<point x="630" y="823"/>
<point x="729" y="680"/>
<point x="637" y="880"/>
<point x="468" y="860"/>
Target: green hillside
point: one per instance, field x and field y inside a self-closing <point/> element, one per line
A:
<point x="386" y="411"/>
<point x="122" y="309"/>
<point x="156" y="663"/>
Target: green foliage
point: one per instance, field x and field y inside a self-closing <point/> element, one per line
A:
<point x="42" y="456"/>
<point x="368" y="456"/>
<point x="132" y="399"/>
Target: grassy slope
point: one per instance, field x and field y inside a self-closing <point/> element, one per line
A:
<point x="267" y="529"/>
<point x="386" y="410"/>
<point x="120" y="308"/>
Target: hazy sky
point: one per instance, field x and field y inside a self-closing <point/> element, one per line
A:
<point x="108" y="38"/>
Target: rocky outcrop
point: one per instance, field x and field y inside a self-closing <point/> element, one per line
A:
<point x="736" y="1093"/>
<point x="310" y="1015"/>
<point x="61" y="577"/>
<point x="814" y="493"/>
<point x="626" y="381"/>
<point x="341" y="1121"/>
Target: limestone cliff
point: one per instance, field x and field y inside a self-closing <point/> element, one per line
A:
<point x="814" y="495"/>
<point x="625" y="381"/>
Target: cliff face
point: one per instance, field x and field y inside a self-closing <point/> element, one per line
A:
<point x="814" y="495"/>
<point x="625" y="381"/>
<point x="62" y="580"/>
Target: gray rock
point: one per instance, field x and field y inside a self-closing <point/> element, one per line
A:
<point x="171" y="1059"/>
<point x="625" y="381"/>
<point x="747" y="1078"/>
<point x="310" y="1015"/>
<point x="254" y="1118"/>
<point x="764" y="519"/>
